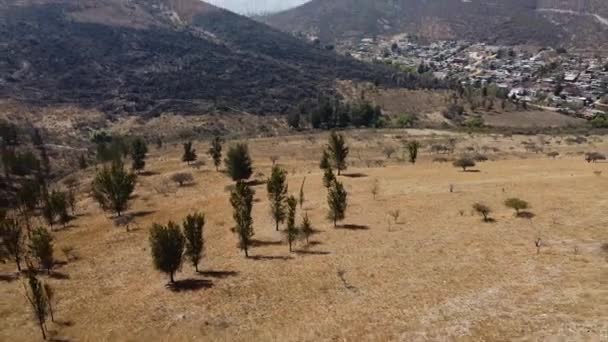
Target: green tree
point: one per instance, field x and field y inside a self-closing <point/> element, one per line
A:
<point x="241" y="199"/>
<point x="215" y="151"/>
<point x="139" y="152"/>
<point x="238" y="162"/>
<point x="306" y="229"/>
<point x="324" y="164"/>
<point x="41" y="248"/>
<point x="483" y="210"/>
<point x="412" y="149"/>
<point x="338" y="151"/>
<point x="195" y="243"/>
<point x="277" y="194"/>
<point x="464" y="163"/>
<point x="517" y="204"/>
<point x="291" y="233"/>
<point x="337" y="202"/>
<point x="57" y="207"/>
<point x="11" y="240"/>
<point x="112" y="188"/>
<point x="328" y="178"/>
<point x="28" y="197"/>
<point x="167" y="248"/>
<point x="36" y="297"/>
<point x="189" y="153"/>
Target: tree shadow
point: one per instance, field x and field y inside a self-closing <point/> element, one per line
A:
<point x="315" y="243"/>
<point x="142" y="213"/>
<point x="270" y="257"/>
<point x="526" y="215"/>
<point x="218" y="274"/>
<point x="489" y="220"/>
<point x="472" y="171"/>
<point x="9" y="277"/>
<point x="255" y="182"/>
<point x="308" y="252"/>
<point x="354" y="175"/>
<point x="148" y="173"/>
<point x="64" y="323"/>
<point x="262" y="243"/>
<point x="190" y="285"/>
<point x="59" y="275"/>
<point x="352" y="227"/>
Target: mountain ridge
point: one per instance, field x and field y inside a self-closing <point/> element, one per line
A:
<point x="509" y="22"/>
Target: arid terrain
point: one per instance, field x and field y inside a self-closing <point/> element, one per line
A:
<point x="438" y="273"/>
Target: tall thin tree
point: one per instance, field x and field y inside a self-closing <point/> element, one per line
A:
<point x="337" y="202"/>
<point x="195" y="243"/>
<point x="167" y="248"/>
<point x="291" y="232"/>
<point x="241" y="200"/>
<point x="277" y="194"/>
<point x="189" y="154"/>
<point x="215" y="151"/>
<point x="37" y="299"/>
<point x="139" y="152"/>
<point x="338" y="151"/>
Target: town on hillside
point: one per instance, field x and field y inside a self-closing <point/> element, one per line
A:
<point x="554" y="79"/>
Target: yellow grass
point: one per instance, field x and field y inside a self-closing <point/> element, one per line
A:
<point x="438" y="273"/>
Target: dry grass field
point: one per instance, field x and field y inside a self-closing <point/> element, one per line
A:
<point x="437" y="274"/>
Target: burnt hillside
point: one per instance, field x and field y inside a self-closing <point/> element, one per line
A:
<point x="161" y="55"/>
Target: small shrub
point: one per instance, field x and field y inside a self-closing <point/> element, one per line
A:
<point x="483" y="210"/>
<point x="464" y="163"/>
<point x="182" y="178"/>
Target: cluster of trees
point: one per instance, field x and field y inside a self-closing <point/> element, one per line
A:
<point x="514" y="203"/>
<point x="334" y="156"/>
<point x="330" y="113"/>
<point x="170" y="245"/>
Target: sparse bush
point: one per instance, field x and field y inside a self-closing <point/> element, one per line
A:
<point x="238" y="162"/>
<point x="593" y="157"/>
<point x="182" y="178"/>
<point x="412" y="148"/>
<point x="167" y="248"/>
<point x="464" y="163"/>
<point x="478" y="157"/>
<point x="516" y="204"/>
<point x="306" y="229"/>
<point x="389" y="151"/>
<point x="41" y="248"/>
<point x="483" y="210"/>
<point x="375" y="188"/>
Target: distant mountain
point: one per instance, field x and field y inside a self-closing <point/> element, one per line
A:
<point x="581" y="23"/>
<point x="152" y="56"/>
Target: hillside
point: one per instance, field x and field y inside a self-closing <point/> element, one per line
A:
<point x="149" y="57"/>
<point x="545" y="22"/>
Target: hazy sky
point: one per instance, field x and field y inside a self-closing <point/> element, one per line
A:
<point x="256" y="6"/>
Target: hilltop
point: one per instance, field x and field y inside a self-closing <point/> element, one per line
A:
<point x="150" y="57"/>
<point x="542" y="22"/>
